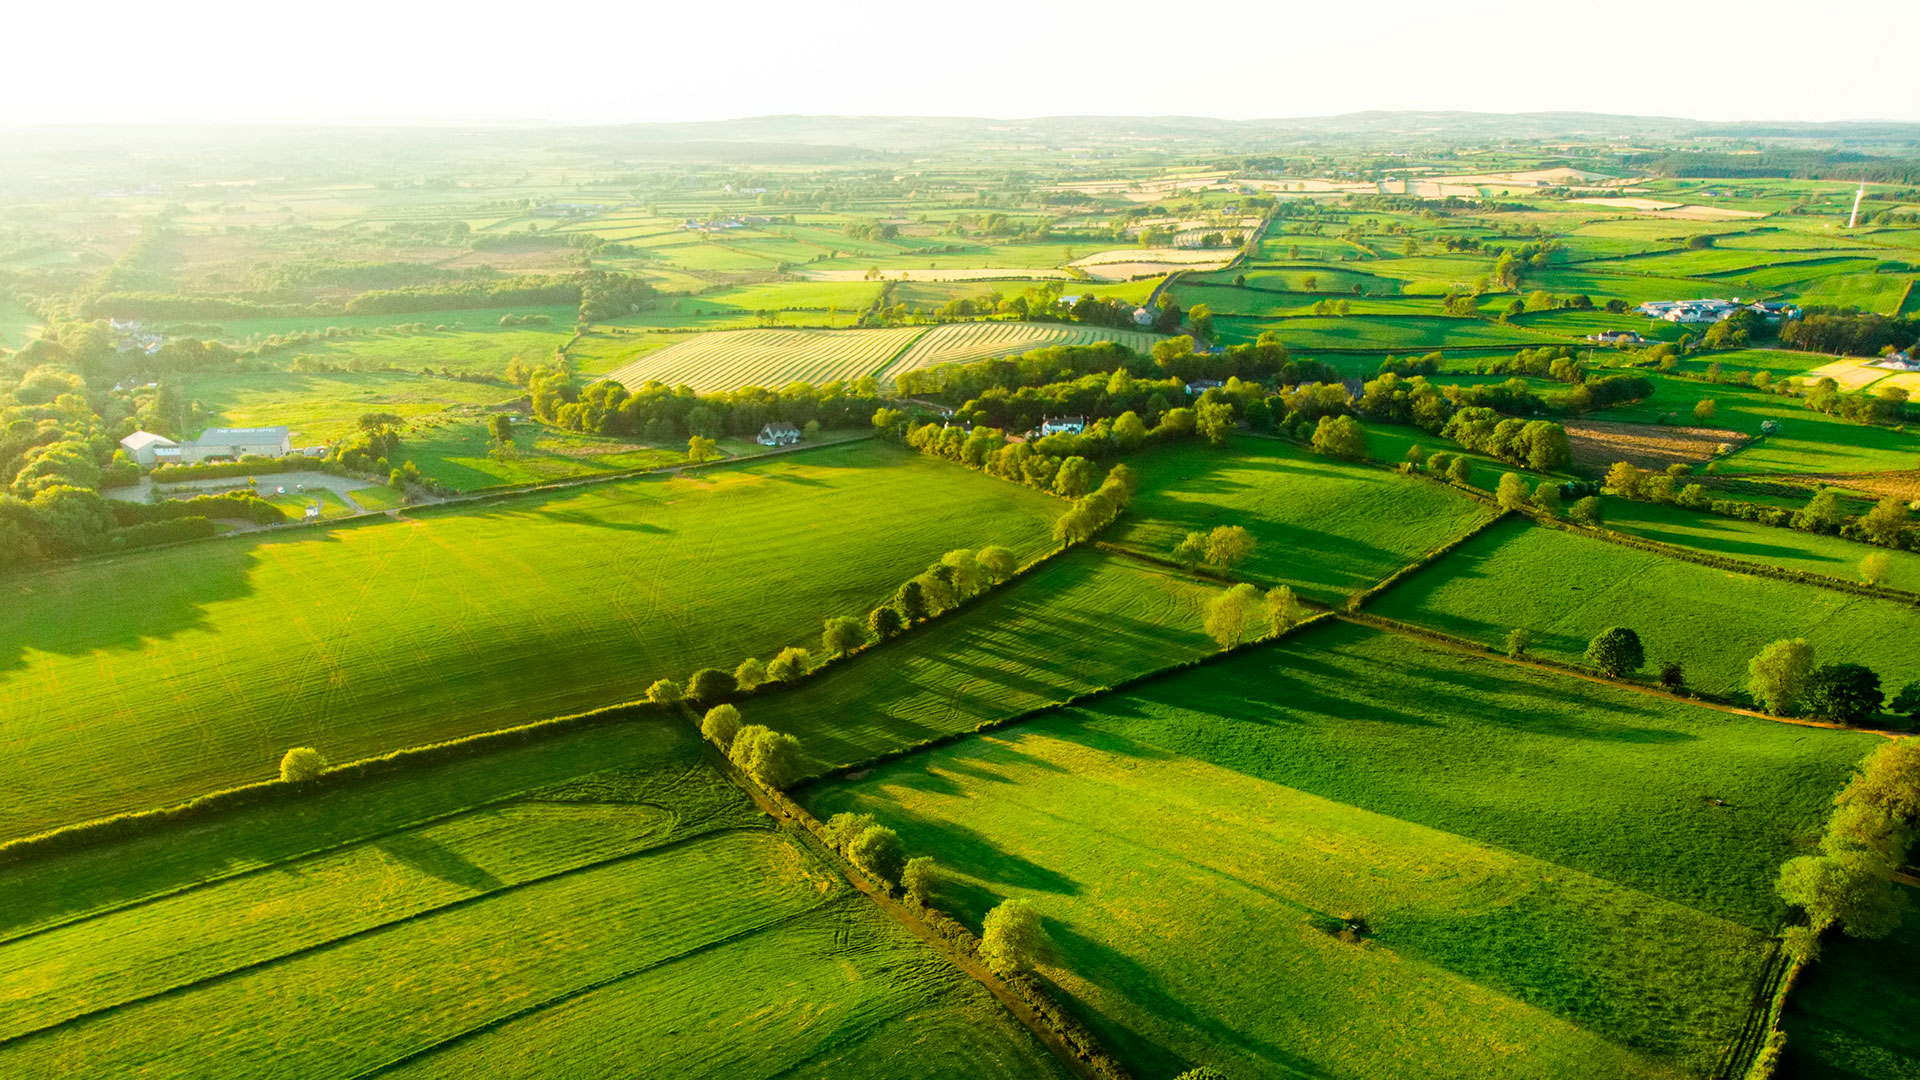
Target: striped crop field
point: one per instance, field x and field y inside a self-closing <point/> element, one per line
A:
<point x="959" y="343"/>
<point x="729" y="360"/>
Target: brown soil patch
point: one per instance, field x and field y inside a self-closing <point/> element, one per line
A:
<point x="1904" y="484"/>
<point x="1597" y="444"/>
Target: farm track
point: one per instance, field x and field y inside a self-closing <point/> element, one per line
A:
<point x="192" y="985"/>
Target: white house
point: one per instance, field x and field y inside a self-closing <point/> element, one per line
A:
<point x="148" y="449"/>
<point x="236" y="443"/>
<point x="781" y="434"/>
<point x="1617" y="337"/>
<point x="1201" y="386"/>
<point x="1142" y="317"/>
<point x="1063" y="425"/>
<point x="1897" y="361"/>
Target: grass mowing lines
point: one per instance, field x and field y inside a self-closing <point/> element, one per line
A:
<point x="153" y="677"/>
<point x="840" y="992"/>
<point x="370" y="1000"/>
<point x="1565" y="588"/>
<point x="1081" y="622"/>
<point x="771" y="358"/>
<point x="1322" y="526"/>
<point x="956" y="343"/>
<point x="173" y="943"/>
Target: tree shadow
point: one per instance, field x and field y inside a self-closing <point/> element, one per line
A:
<point x="438" y="860"/>
<point x="580" y="517"/>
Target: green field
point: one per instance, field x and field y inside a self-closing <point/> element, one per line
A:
<point x="1394" y="332"/>
<point x="1566" y="588"/>
<point x="1323" y="527"/>
<point x="458" y="451"/>
<point x="1081" y="622"/>
<point x="322" y="407"/>
<point x="149" y="678"/>
<point x="646" y="900"/>
<point x="1851" y="1015"/>
<point x="473" y="351"/>
<point x="1790" y="549"/>
<point x="1530" y="912"/>
<point x="768" y="358"/>
<point x="1807" y="442"/>
<point x="560" y="319"/>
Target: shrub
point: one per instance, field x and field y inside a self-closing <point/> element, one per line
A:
<point x="1672" y="676"/>
<point x="998" y="562"/>
<point x="720" y="725"/>
<point x="709" y="685"/>
<point x="1512" y="492"/>
<point x="665" y="692"/>
<point x="1228" y="544"/>
<point x="844" y="827"/>
<point x="1907" y="702"/>
<point x="1616" y="651"/>
<point x="1586" y="512"/>
<point x="301" y="764"/>
<point x="1011" y="938"/>
<point x="789" y="665"/>
<point x="1546" y="498"/>
<point x="921" y="879"/>
<point x="1518" y="640"/>
<point x="1460" y="471"/>
<point x="750" y="674"/>
<point x="885" y="622"/>
<point x="1873" y="567"/>
<point x="878" y="853"/>
<point x="842" y="635"/>
<point x="1340" y="436"/>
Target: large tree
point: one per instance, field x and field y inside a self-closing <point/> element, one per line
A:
<point x="1231" y="614"/>
<point x="1011" y="937"/>
<point x="1616" y="651"/>
<point x="1848" y="693"/>
<point x="1227" y="545"/>
<point x="1777" y="674"/>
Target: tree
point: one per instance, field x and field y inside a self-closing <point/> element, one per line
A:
<point x="1907" y="703"/>
<point x="1340" y="436"/>
<point x="1129" y="431"/>
<point x="878" y="853"/>
<point x="964" y="571"/>
<point x="700" y="448"/>
<point x="1512" y="492"/>
<point x="1586" y="512"/>
<point x="1075" y="526"/>
<point x="1191" y="551"/>
<point x="1229" y="544"/>
<point x="500" y="427"/>
<point x="911" y="601"/>
<point x="709" y="685"/>
<point x="1777" y="674"/>
<point x="842" y="635"/>
<point x="771" y="757"/>
<point x="1824" y="513"/>
<point x="1231" y="614"/>
<point x="1011" y="938"/>
<point x="665" y="692"/>
<point x="750" y="674"/>
<point x="1519" y="639"/>
<point x="999" y="563"/>
<point x="1886" y="523"/>
<point x="1847" y="693"/>
<point x="792" y="663"/>
<point x="1626" y="480"/>
<point x="885" y="622"/>
<point x="921" y="879"/>
<point x="811" y="431"/>
<point x="720" y="725"/>
<point x="301" y="764"/>
<point x="1616" y="651"/>
<point x="1852" y="889"/>
<point x="1075" y="477"/>
<point x="1460" y="471"/>
<point x="1672" y="676"/>
<point x="841" y="829"/>
<point x="1437" y="464"/>
<point x="1283" y="610"/>
<point x="1546" y="498"/>
<point x="1703" y="411"/>
<point x="1214" y="421"/>
<point x="1873" y="567"/>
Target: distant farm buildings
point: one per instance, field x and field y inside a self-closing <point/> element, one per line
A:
<point x="1142" y="317"/>
<point x="1712" y="311"/>
<point x="1898" y="361"/>
<point x="1617" y="337"/>
<point x="231" y="444"/>
<point x="1063" y="425"/>
<point x="781" y="434"/>
<point x="1196" y="387"/>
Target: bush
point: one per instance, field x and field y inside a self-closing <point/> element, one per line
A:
<point x="1011" y="938"/>
<point x="1616" y="651"/>
<point x="150" y="533"/>
<point x="999" y="563"/>
<point x="665" y="692"/>
<point x="301" y="764"/>
<point x="720" y="725"/>
<point x="878" y="853"/>
<point x="771" y="757"/>
<point x="1847" y="693"/>
<point x="1586" y="512"/>
<point x="1518" y="640"/>
<point x="709" y="685"/>
<point x="843" y="634"/>
<point x="885" y="622"/>
<point x="750" y="674"/>
<point x="789" y="665"/>
<point x="844" y="827"/>
<point x="1672" y="676"/>
<point x="921" y="879"/>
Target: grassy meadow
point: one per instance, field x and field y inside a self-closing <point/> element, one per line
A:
<point x="149" y="678"/>
<point x="1321" y="526"/>
<point x="1566" y="588"/>
<point x="1789" y="549"/>
<point x="321" y="407"/>
<point x="533" y="919"/>
<point x="1851" y="1015"/>
<point x="1081" y="622"/>
<point x="1527" y="912"/>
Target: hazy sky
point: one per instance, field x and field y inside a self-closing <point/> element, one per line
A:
<point x="593" y="61"/>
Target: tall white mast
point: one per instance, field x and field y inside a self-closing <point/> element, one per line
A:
<point x="1854" y="217"/>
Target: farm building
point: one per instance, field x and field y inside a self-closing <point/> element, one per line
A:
<point x="778" y="435"/>
<point x="1617" y="337"/>
<point x="1689" y="311"/>
<point x="236" y="443"/>
<point x="1898" y="361"/>
<point x="148" y="449"/>
<point x="1142" y="317"/>
<point x="1063" y="425"/>
<point x="1197" y="387"/>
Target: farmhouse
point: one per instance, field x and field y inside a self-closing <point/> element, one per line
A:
<point x="236" y="443"/>
<point x="1617" y="337"/>
<point x="1063" y="425"/>
<point x="1200" y="386"/>
<point x="1142" y="317"/>
<point x="148" y="449"/>
<point x="1898" y="361"/>
<point x="781" y="434"/>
